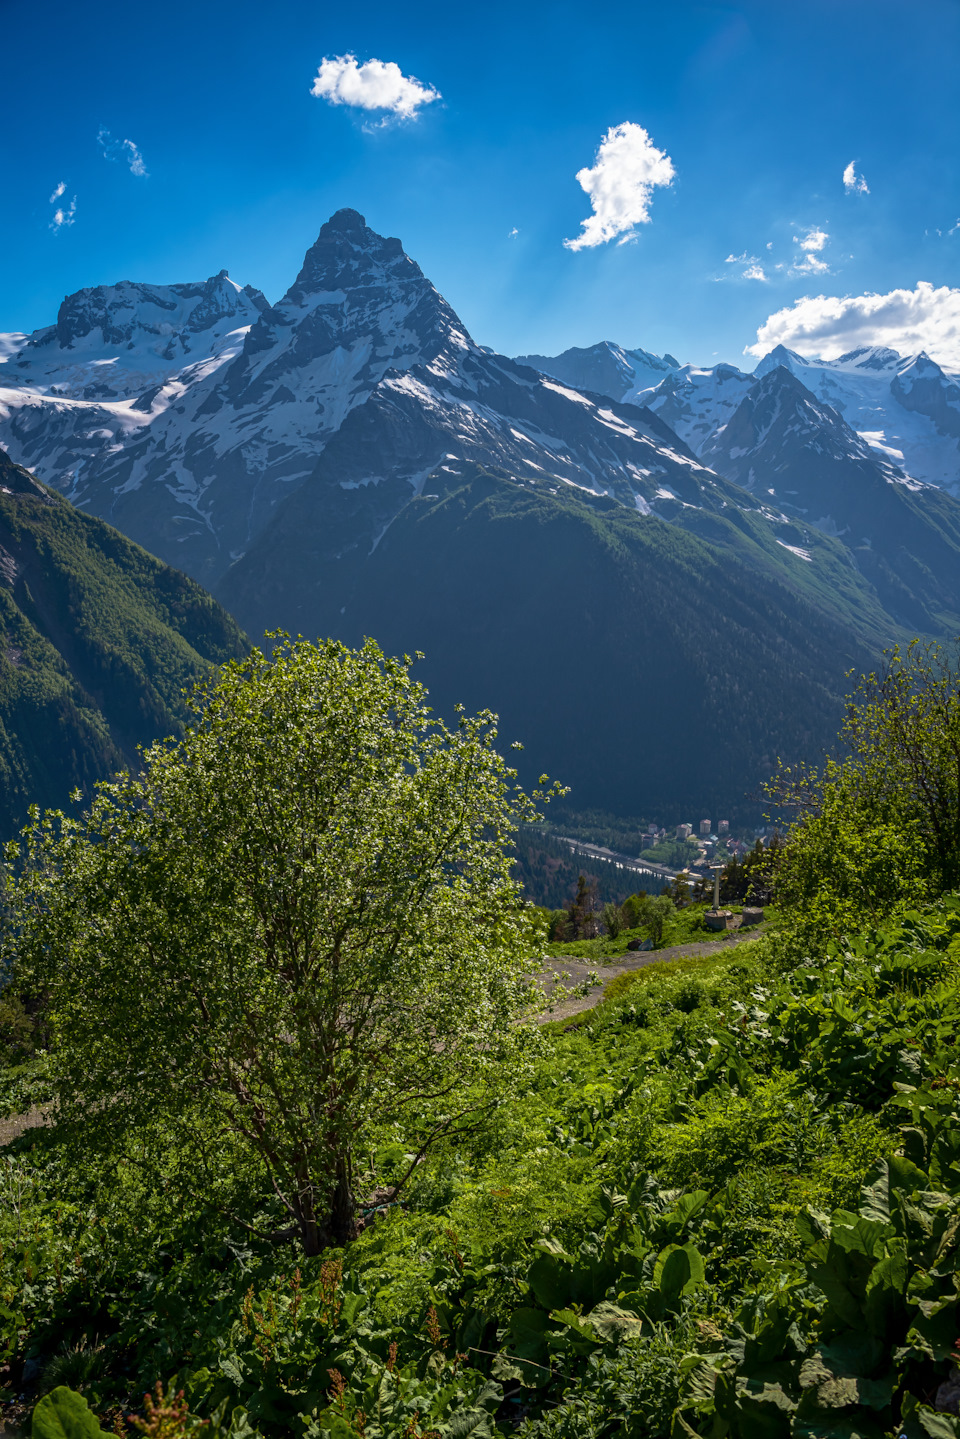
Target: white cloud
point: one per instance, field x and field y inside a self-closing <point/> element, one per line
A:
<point x="62" y="217"/>
<point x="374" y="85"/>
<point x="753" y="269"/>
<point x="853" y="183"/>
<point x="907" y="320"/>
<point x="620" y="185"/>
<point x="513" y="233"/>
<point x="811" y="244"/>
<point x="58" y="192"/>
<point x="124" y="151"/>
<point x="814" y="239"/>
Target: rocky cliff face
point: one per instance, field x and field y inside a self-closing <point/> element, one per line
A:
<point x="193" y="460"/>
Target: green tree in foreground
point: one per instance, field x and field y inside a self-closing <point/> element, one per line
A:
<point x="613" y="920"/>
<point x="299" y="924"/>
<point x="649" y="912"/>
<point x="881" y="826"/>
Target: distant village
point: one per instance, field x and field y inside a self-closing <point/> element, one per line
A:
<point x="704" y="847"/>
<point x="713" y="845"/>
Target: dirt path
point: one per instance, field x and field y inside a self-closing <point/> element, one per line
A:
<point x="17" y="1124"/>
<point x="566" y="971"/>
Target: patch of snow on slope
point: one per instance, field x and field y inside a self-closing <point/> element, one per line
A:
<point x="613" y="422"/>
<point x="801" y="554"/>
<point x="567" y="394"/>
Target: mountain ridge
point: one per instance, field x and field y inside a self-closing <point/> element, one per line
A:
<point x="98" y="641"/>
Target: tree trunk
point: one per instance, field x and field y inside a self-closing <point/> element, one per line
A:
<point x="342" y="1220"/>
<point x="339" y="1225"/>
<point x="311" y="1238"/>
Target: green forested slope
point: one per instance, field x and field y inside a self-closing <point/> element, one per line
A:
<point x="646" y="668"/>
<point x="97" y="642"/>
<point x="723" y="1204"/>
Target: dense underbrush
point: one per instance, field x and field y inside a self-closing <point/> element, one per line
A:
<point x="728" y="1203"/>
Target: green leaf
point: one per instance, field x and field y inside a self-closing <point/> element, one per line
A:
<point x="612" y="1323"/>
<point x="678" y="1270"/>
<point x="885" y="1304"/>
<point x="884" y="1180"/>
<point x="934" y="1329"/>
<point x="62" y="1414"/>
<point x="920" y="1420"/>
<point x="551" y="1282"/>
<point x="854" y="1353"/>
<point x="471" y="1421"/>
<point x="526" y="1332"/>
<point x="765" y="1414"/>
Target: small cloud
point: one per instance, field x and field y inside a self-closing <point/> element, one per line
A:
<point x="813" y="240"/>
<point x="769" y="244"/>
<point x="374" y="85"/>
<point x="853" y="183"/>
<point x="123" y="151"/>
<point x="923" y="318"/>
<point x="811" y="244"/>
<point x="753" y="270"/>
<point x="62" y="217"/>
<point x="513" y="232"/>
<point x="953" y="229"/>
<point x="620" y="184"/>
<point x="61" y="188"/>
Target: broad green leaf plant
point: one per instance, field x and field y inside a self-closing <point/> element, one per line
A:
<point x="296" y="926"/>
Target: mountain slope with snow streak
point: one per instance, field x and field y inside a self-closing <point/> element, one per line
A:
<point x="801" y="456"/>
<point x="193" y="459"/>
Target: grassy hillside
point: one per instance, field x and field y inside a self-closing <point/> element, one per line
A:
<point x="722" y="1204"/>
<point x="98" y="640"/>
<point x="647" y="669"/>
<point x="728" y="1194"/>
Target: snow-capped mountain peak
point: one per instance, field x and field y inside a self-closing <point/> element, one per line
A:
<point x="359" y="281"/>
<point x="195" y="461"/>
<point x="605" y="369"/>
<point x="780" y="355"/>
<point x="113" y="341"/>
<point x="868" y="357"/>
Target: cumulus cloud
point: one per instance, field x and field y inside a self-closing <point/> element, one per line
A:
<point x="923" y="318"/>
<point x="853" y="183"/>
<point x="374" y="85"/>
<point x="124" y="152"/>
<point x="620" y="184"/>
<point x="61" y="188"/>
<point x="754" y="272"/>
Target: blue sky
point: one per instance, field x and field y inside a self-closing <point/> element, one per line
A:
<point x="756" y="109"/>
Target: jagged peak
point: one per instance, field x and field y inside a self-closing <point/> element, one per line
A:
<point x="120" y="310"/>
<point x="347" y="253"/>
<point x="780" y="380"/>
<point x="869" y="357"/>
<point x="779" y="356"/>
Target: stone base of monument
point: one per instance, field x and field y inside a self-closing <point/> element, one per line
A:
<point x="751" y="917"/>
<point x="720" y="919"/>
